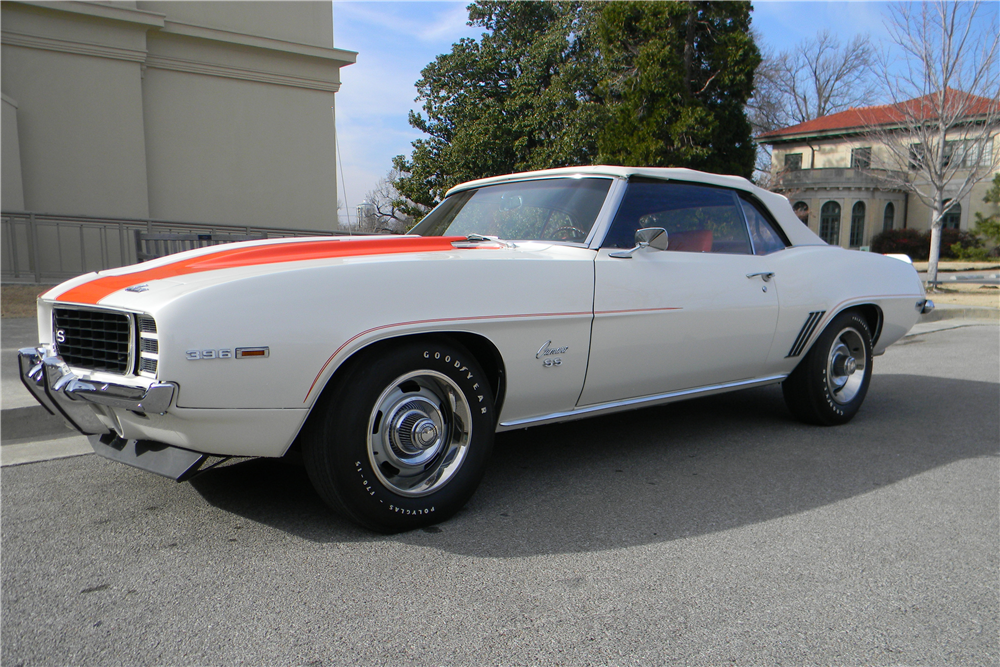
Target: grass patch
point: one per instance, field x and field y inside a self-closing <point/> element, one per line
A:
<point x="19" y="300"/>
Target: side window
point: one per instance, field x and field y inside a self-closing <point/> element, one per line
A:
<point x="766" y="233"/>
<point x="698" y="218"/>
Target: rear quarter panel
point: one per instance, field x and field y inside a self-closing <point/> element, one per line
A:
<point x="831" y="279"/>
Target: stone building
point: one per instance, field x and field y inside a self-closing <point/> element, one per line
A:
<point x="829" y="168"/>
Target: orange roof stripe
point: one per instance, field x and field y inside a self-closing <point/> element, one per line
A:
<point x="102" y="286"/>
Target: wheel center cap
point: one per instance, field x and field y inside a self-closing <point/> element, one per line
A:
<point x="425" y="433"/>
<point x="850" y="365"/>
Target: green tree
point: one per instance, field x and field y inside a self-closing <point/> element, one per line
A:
<point x="514" y="100"/>
<point x="679" y="75"/>
<point x="553" y="84"/>
<point x="989" y="227"/>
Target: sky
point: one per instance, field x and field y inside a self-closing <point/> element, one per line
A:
<point x="395" y="40"/>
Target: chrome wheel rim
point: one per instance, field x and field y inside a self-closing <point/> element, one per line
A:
<point x="419" y="433"/>
<point x="845" y="366"/>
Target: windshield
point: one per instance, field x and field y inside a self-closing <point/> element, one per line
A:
<point x="557" y="209"/>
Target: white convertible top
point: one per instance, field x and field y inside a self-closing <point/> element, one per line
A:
<point x="797" y="233"/>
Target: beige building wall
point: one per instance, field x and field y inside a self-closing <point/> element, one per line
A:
<point x="12" y="195"/>
<point x="835" y="153"/>
<point x="79" y="113"/>
<point x="204" y="112"/>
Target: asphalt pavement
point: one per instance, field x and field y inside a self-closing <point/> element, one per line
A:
<point x="712" y="532"/>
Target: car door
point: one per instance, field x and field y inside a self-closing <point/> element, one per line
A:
<point x="702" y="312"/>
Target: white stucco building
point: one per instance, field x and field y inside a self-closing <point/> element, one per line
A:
<point x="215" y="113"/>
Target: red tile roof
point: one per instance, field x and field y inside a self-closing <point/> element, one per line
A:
<point x="918" y="107"/>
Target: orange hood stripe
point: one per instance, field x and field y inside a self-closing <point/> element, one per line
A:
<point x="102" y="286"/>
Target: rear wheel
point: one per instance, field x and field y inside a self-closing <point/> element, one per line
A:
<point x="403" y="438"/>
<point x="831" y="382"/>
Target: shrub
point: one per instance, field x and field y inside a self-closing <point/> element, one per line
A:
<point x="902" y="241"/>
<point x="955" y="244"/>
<point x="968" y="254"/>
<point x="951" y="238"/>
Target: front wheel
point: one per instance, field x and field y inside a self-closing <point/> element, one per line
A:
<point x="830" y="383"/>
<point x="402" y="440"/>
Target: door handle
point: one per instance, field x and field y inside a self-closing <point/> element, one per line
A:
<point x="765" y="275"/>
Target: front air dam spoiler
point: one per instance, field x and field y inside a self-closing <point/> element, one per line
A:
<point x="156" y="457"/>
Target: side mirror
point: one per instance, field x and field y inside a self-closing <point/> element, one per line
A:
<point x="653" y="237"/>
<point x="648" y="237"/>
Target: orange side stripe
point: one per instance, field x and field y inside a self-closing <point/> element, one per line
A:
<point x="97" y="289"/>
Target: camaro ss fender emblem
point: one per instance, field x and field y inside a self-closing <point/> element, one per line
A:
<point x="547" y="354"/>
<point x="547" y="351"/>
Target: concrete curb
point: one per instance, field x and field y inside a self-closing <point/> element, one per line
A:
<point x="954" y="312"/>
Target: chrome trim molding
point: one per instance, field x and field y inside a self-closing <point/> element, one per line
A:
<point x="645" y="401"/>
<point x="86" y="404"/>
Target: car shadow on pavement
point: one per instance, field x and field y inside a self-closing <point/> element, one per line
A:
<point x="659" y="474"/>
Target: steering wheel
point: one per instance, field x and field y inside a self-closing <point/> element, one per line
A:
<point x="567" y="233"/>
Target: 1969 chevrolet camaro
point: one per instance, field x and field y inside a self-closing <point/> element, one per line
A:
<point x="390" y="362"/>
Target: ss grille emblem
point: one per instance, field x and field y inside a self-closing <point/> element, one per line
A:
<point x="61" y="335"/>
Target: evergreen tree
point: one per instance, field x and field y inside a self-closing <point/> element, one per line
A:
<point x="679" y="76"/>
<point x="553" y="84"/>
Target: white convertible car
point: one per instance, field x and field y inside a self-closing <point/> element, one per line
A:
<point x="390" y="362"/>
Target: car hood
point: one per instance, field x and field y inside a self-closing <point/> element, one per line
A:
<point x="140" y="286"/>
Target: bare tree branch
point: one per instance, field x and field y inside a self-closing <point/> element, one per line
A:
<point x="816" y="78"/>
<point x="820" y="77"/>
<point x="382" y="212"/>
<point x="935" y="140"/>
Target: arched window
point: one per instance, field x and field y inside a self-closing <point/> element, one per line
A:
<point x="858" y="224"/>
<point x="953" y="218"/>
<point x="802" y="211"/>
<point x="889" y="217"/>
<point x="829" y="223"/>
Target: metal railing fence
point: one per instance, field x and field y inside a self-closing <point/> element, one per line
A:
<point x="44" y="248"/>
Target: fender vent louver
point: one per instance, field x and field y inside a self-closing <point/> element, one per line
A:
<point x="805" y="333"/>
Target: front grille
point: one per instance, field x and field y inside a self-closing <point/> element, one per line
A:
<point x="93" y="339"/>
<point x="146" y="324"/>
<point x="149" y="345"/>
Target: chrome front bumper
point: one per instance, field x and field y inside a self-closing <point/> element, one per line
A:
<point x="84" y="403"/>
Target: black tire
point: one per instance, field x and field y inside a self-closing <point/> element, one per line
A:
<point x="831" y="382"/>
<point x="403" y="437"/>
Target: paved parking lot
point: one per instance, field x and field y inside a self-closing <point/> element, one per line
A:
<point x="717" y="531"/>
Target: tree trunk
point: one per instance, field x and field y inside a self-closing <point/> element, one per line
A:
<point x="935" y="252"/>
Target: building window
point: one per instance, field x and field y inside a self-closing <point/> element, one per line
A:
<point x="889" y="217"/>
<point x="861" y="158"/>
<point x="916" y="156"/>
<point x="858" y="224"/>
<point x="793" y="161"/>
<point x="802" y="211"/>
<point x="968" y="153"/>
<point x="953" y="217"/>
<point x="829" y="223"/>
